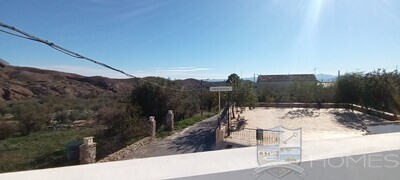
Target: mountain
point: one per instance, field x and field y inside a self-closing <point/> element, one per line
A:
<point x="223" y="80"/>
<point x="326" y="77"/>
<point x="18" y="83"/>
<point x="320" y="77"/>
<point x="216" y="80"/>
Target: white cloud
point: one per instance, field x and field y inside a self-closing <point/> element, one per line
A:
<point x="184" y="69"/>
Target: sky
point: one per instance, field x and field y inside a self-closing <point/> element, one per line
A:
<point x="205" y="39"/>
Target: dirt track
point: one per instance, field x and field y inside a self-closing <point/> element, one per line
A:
<point x="197" y="138"/>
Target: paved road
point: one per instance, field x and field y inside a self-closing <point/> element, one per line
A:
<point x="197" y="138"/>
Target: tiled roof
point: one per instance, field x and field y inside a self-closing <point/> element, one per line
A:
<point x="286" y="78"/>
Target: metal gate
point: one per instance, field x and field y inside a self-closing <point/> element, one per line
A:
<point x="244" y="136"/>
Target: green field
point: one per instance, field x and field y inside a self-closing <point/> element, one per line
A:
<point x="42" y="149"/>
<point x="48" y="148"/>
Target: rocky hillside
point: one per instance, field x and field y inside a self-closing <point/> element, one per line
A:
<point x="17" y="83"/>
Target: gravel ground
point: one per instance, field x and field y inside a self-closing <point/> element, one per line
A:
<point x="316" y="124"/>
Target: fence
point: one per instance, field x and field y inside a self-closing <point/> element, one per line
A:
<point x="247" y="136"/>
<point x="244" y="136"/>
<point x="224" y="117"/>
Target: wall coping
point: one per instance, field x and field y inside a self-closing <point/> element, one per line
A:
<point x="195" y="164"/>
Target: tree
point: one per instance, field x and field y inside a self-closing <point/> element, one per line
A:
<point x="377" y="89"/>
<point x="30" y="116"/>
<point x="309" y="92"/>
<point x="245" y="94"/>
<point x="349" y="88"/>
<point x="380" y="90"/>
<point x="210" y="100"/>
<point x="266" y="95"/>
<point x="234" y="81"/>
<point x="123" y="124"/>
<point x="242" y="93"/>
<point x="151" y="100"/>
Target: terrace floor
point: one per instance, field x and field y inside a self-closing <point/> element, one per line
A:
<point x="316" y="124"/>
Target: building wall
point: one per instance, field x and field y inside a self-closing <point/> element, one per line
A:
<point x="275" y="86"/>
<point x="357" y="167"/>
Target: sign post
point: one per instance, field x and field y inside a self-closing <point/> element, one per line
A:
<point x="219" y="89"/>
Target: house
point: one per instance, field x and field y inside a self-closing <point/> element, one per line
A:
<point x="283" y="82"/>
<point x="326" y="84"/>
<point x="3" y="63"/>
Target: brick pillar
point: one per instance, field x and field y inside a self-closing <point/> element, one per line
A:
<point x="152" y="129"/>
<point x="87" y="151"/>
<point x="170" y="120"/>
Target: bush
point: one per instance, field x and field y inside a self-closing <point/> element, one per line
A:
<point x="107" y="115"/>
<point x="3" y="110"/>
<point x="30" y="116"/>
<point x="74" y="115"/>
<point x="121" y="125"/>
<point x="7" y="129"/>
<point x="62" y="117"/>
<point x="86" y="115"/>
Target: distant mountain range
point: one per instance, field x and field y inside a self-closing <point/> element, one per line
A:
<point x="326" y="77"/>
<point x="19" y="83"/>
<point x="223" y="80"/>
<point x="320" y="77"/>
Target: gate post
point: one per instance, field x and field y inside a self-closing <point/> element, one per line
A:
<point x="219" y="137"/>
<point x="170" y="120"/>
<point x="87" y="151"/>
<point x="152" y="129"/>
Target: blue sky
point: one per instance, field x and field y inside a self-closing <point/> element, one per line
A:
<point x="206" y="38"/>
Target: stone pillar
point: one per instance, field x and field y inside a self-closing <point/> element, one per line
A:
<point x="170" y="120"/>
<point x="87" y="151"/>
<point x="152" y="129"/>
<point x="219" y="138"/>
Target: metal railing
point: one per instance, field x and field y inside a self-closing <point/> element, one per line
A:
<point x="245" y="135"/>
<point x="224" y="117"/>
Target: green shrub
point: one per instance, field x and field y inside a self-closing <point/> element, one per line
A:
<point x="62" y="117"/>
<point x="7" y="129"/>
<point x="74" y="115"/>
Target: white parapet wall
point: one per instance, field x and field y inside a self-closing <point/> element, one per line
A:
<point x="367" y="158"/>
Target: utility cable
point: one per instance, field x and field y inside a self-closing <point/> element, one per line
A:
<point x="21" y="34"/>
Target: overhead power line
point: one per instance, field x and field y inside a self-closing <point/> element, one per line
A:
<point x="21" y="34"/>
